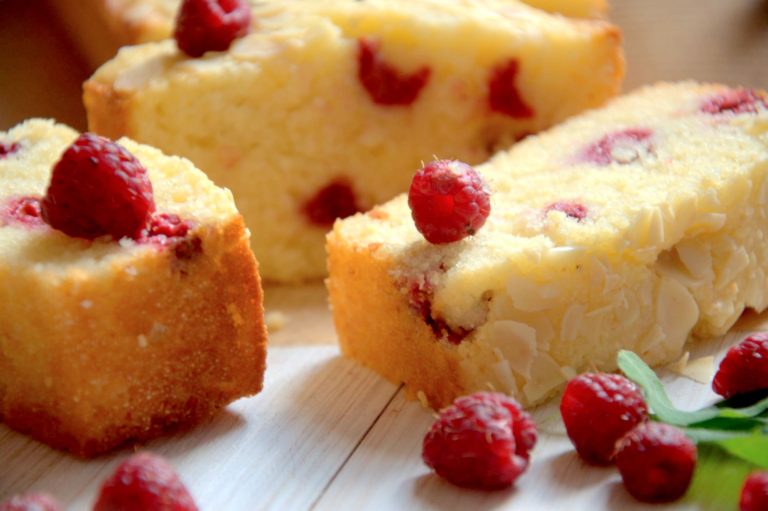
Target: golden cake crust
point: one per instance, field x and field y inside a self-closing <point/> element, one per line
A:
<point x="376" y="327"/>
<point x="104" y="342"/>
<point x="193" y="359"/>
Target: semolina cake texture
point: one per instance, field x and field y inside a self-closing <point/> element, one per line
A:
<point x="326" y="108"/>
<point x="104" y="342"/>
<point x="636" y="226"/>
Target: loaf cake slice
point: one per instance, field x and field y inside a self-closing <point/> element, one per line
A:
<point x="326" y="107"/>
<point x="635" y="226"/>
<point x="101" y="27"/>
<point x="104" y="341"/>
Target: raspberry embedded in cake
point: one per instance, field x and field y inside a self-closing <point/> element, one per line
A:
<point x="503" y="94"/>
<point x="622" y="147"/>
<point x="8" y="148"/>
<point x="21" y="211"/>
<point x="571" y="209"/>
<point x="334" y="200"/>
<point x="211" y="25"/>
<point x="385" y="84"/>
<point x="98" y="188"/>
<point x="420" y="302"/>
<point x="735" y="101"/>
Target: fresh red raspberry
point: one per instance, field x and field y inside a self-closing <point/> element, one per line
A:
<point x="8" y="148"/>
<point x="31" y="502"/>
<point x="143" y="482"/>
<point x="598" y="409"/>
<point x="503" y="95"/>
<point x="22" y="210"/>
<point x="656" y="462"/>
<point x="335" y="200"/>
<point x="384" y="83"/>
<point x="621" y="147"/>
<point x="572" y="209"/>
<point x="744" y="368"/>
<point x="210" y="25"/>
<point x="98" y="188"/>
<point x="736" y="101"/>
<point x="449" y="201"/>
<point x="754" y="493"/>
<point x="482" y="441"/>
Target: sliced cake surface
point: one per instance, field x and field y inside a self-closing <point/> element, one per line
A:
<point x="633" y="226"/>
<point x="327" y="107"/>
<point x="104" y="341"/>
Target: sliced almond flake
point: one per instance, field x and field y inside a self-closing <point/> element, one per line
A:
<point x="701" y="370"/>
<point x="422" y="397"/>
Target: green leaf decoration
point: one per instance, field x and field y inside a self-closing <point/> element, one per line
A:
<point x="712" y="417"/>
<point x="656" y="397"/>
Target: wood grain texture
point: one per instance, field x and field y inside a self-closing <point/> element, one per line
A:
<point x="277" y="450"/>
<point x="326" y="433"/>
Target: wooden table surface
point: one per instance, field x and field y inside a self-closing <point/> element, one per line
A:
<point x="326" y="433"/>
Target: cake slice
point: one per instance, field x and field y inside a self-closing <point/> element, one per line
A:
<point x="108" y="340"/>
<point x="101" y="27"/>
<point x="326" y="107"/>
<point x="635" y="226"/>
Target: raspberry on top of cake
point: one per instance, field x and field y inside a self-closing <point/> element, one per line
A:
<point x="131" y="301"/>
<point x="325" y="108"/>
<point x="632" y="226"/>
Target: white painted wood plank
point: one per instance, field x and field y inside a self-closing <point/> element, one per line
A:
<point x="386" y="471"/>
<point x="277" y="450"/>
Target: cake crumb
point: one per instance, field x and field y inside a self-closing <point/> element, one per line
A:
<point x="234" y="313"/>
<point x="275" y="320"/>
<point x="422" y="397"/>
<point x="142" y="339"/>
<point x="86" y="304"/>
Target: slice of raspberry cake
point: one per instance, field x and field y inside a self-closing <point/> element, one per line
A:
<point x="634" y="226"/>
<point x="131" y="301"/>
<point x="326" y="107"/>
<point x="101" y="27"/>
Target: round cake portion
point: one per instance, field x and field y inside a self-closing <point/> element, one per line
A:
<point x="327" y="108"/>
<point x="635" y="226"/>
<point x="105" y="341"/>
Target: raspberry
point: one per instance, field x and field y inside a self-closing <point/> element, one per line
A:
<point x="31" y="502"/>
<point x="420" y="301"/>
<point x="335" y="200"/>
<point x="503" y="95"/>
<point x="738" y="101"/>
<point x="754" y="493"/>
<point x="449" y="201"/>
<point x="22" y="210"/>
<point x="385" y="84"/>
<point x="744" y="368"/>
<point x="142" y="482"/>
<point x="598" y="409"/>
<point x="572" y="209"/>
<point x="8" y="148"/>
<point x="98" y="188"/>
<point x="620" y="147"/>
<point x="210" y="25"/>
<point x="656" y="462"/>
<point x="482" y="441"/>
<point x="166" y="225"/>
